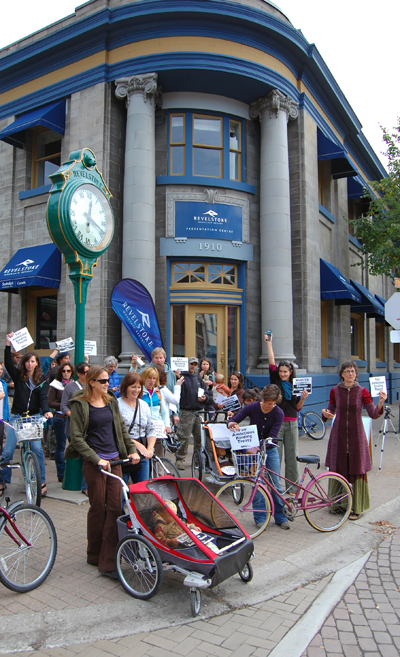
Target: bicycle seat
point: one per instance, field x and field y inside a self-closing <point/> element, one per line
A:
<point x="311" y="458"/>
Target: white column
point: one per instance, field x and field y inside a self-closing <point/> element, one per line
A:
<point x="138" y="238"/>
<point x="274" y="112"/>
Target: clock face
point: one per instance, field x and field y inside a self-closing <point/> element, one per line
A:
<point x="91" y="217"/>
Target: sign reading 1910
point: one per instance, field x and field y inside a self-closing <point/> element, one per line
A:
<point x="209" y="246"/>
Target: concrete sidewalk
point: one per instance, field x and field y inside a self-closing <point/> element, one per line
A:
<point x="78" y="611"/>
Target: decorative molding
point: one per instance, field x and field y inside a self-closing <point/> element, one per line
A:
<point x="275" y="102"/>
<point x="145" y="84"/>
<point x="203" y="196"/>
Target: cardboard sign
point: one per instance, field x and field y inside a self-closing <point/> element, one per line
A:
<point x="90" y="347"/>
<point x="181" y="364"/>
<point x="65" y="345"/>
<point x="231" y="403"/>
<point x="159" y="428"/>
<point x="245" y="437"/>
<point x="200" y="392"/>
<point x="220" y="432"/>
<point x="21" y="339"/>
<point x="377" y="384"/>
<point x="220" y="398"/>
<point x="303" y="383"/>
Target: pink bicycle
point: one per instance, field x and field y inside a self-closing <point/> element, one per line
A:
<point x="326" y="499"/>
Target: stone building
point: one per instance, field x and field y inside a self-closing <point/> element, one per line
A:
<point x="234" y="160"/>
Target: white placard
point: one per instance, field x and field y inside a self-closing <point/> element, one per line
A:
<point x="21" y="339"/>
<point x="200" y="392"/>
<point x="231" y="403"/>
<point x="181" y="364"/>
<point x="90" y="347"/>
<point x="139" y="361"/>
<point x="220" y="432"/>
<point x="65" y="345"/>
<point x="245" y="437"/>
<point x="303" y="383"/>
<point x="220" y="398"/>
<point x="159" y="428"/>
<point x="367" y="422"/>
<point x="377" y="384"/>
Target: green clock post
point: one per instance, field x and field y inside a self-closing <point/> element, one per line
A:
<point x="81" y="223"/>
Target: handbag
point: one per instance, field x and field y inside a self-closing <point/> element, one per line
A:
<point x="130" y="468"/>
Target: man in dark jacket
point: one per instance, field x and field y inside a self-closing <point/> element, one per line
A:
<point x="190" y="423"/>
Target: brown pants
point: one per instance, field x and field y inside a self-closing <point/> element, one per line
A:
<point x="105" y="499"/>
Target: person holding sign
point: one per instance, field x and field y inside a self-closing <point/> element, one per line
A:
<point x="348" y="452"/>
<point x="31" y="390"/>
<point x="268" y="418"/>
<point x="282" y="375"/>
<point x="236" y="383"/>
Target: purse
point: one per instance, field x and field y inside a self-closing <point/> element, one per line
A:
<point x="130" y="468"/>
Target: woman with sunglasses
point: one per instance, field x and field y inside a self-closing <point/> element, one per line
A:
<point x="63" y="376"/>
<point x="348" y="451"/>
<point x="283" y="375"/>
<point x="235" y="384"/>
<point x="99" y="435"/>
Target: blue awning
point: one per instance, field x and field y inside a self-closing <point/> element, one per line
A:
<point x="380" y="299"/>
<point x="355" y="187"/>
<point x="34" y="265"/>
<point x="335" y="286"/>
<point x="369" y="304"/>
<point x="51" y="117"/>
<point x="327" y="148"/>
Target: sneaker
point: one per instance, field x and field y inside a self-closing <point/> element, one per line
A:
<point x="180" y="465"/>
<point x="284" y="525"/>
<point x="109" y="573"/>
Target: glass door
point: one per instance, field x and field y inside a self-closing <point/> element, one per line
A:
<point x="206" y="335"/>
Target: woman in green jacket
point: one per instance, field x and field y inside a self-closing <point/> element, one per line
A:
<point x="98" y="434"/>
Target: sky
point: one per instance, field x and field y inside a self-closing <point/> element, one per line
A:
<point x="358" y="39"/>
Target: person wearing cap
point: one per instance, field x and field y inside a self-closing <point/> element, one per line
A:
<point x="190" y="402"/>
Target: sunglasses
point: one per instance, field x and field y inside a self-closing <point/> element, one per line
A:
<point x="68" y="370"/>
<point x="102" y="381"/>
<point x="285" y="363"/>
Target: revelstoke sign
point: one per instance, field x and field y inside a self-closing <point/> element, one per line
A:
<point x="217" y="220"/>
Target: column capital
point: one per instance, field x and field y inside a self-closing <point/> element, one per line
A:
<point x="145" y="84"/>
<point x="274" y="102"/>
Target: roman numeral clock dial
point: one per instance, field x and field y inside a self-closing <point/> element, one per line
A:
<point x="90" y="216"/>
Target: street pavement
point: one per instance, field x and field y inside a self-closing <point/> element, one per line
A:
<point x="313" y="594"/>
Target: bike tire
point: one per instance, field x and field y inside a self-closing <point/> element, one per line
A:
<point x="313" y="425"/>
<point x="24" y="568"/>
<point x="197" y="465"/>
<point x="33" y="479"/>
<point x="334" y="492"/>
<point x="169" y="468"/>
<point x="235" y="496"/>
<point x="139" y="566"/>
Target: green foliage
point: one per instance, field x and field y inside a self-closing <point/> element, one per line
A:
<point x="379" y="232"/>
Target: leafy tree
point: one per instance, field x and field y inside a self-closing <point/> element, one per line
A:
<point x="379" y="230"/>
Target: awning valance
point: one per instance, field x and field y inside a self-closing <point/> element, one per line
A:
<point x="33" y="265"/>
<point x="335" y="286"/>
<point x="369" y="304"/>
<point x="328" y="149"/>
<point x="51" y="117"/>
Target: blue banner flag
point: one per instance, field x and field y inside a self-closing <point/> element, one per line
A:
<point x="133" y="304"/>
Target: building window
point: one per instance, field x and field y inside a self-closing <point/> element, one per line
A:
<point x="46" y="157"/>
<point x="380" y="341"/>
<point x="202" y="145"/>
<point x="324" y="329"/>
<point x="42" y="318"/>
<point x="357" y="336"/>
<point x="200" y="274"/>
<point x="396" y="352"/>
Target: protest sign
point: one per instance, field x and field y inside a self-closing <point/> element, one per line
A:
<point x="377" y="384"/>
<point x="231" y="403"/>
<point x="220" y="432"/>
<point x="200" y="392"/>
<point x="159" y="428"/>
<point x="65" y="345"/>
<point x="245" y="437"/>
<point x="178" y="363"/>
<point x="90" y="347"/>
<point x="303" y="383"/>
<point x="21" y="339"/>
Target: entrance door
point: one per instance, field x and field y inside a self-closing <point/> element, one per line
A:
<point x="206" y="335"/>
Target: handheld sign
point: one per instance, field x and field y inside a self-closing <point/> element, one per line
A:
<point x="200" y="392"/>
<point x="65" y="345"/>
<point x="377" y="384"/>
<point x="90" y="347"/>
<point x="159" y="428"/>
<point x="181" y="364"/>
<point x="245" y="437"/>
<point x="231" y="403"/>
<point x="220" y="432"/>
<point x="303" y="383"/>
<point x="139" y="361"/>
<point x="21" y="339"/>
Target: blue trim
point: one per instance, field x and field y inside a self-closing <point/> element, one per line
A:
<point x="380" y="364"/>
<point x="37" y="191"/>
<point x="326" y="213"/>
<point x="369" y="304"/>
<point x="204" y="181"/>
<point x="361" y="363"/>
<point x="396" y="364"/>
<point x="355" y="241"/>
<point x="329" y="362"/>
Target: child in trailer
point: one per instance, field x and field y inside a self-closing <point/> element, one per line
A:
<point x="166" y="529"/>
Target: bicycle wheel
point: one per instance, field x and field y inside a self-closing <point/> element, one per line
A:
<point x="33" y="485"/>
<point x="327" y="502"/>
<point x="139" y="566"/>
<point x="24" y="567"/>
<point x="313" y="425"/>
<point x="197" y="465"/>
<point x="235" y="496"/>
<point x="166" y="467"/>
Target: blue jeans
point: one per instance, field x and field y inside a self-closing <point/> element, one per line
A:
<point x="140" y="475"/>
<point x="61" y="439"/>
<point x="273" y="463"/>
<point x="8" y="452"/>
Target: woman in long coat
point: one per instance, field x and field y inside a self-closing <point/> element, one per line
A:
<point x="348" y="451"/>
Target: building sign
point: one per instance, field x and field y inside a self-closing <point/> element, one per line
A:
<point x="209" y="221"/>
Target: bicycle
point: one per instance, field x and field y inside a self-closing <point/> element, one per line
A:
<point x="27" y="429"/>
<point x="326" y="500"/>
<point x="28" y="544"/>
<point x="311" y="424"/>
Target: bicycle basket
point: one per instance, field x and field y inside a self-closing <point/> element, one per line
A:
<point x="246" y="465"/>
<point x="28" y="428"/>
